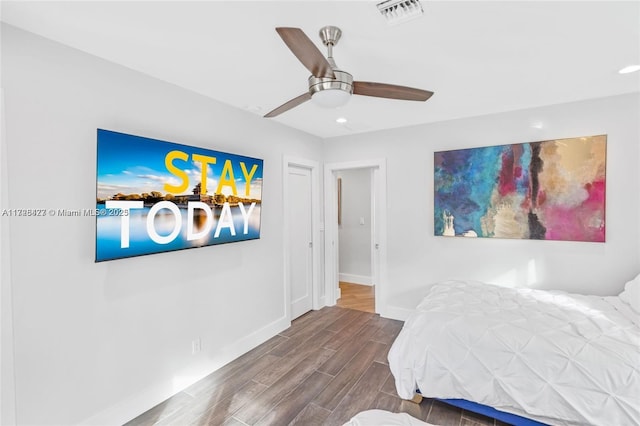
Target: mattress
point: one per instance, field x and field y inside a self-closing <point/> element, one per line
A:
<point x="555" y="357"/>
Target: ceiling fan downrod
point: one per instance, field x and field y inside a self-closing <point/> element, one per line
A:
<point x="330" y="36"/>
<point x="343" y="81"/>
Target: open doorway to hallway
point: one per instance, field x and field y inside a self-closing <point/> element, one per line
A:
<point x="355" y="236"/>
<point x="378" y="242"/>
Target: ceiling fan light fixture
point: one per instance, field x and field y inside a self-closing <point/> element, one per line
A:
<point x="331" y="98"/>
<point x="331" y="92"/>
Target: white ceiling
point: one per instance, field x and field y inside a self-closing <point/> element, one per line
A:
<point x="479" y="57"/>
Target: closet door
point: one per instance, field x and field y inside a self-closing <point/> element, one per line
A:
<point x="300" y="240"/>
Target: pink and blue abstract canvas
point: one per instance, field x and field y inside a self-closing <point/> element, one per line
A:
<point x="546" y="190"/>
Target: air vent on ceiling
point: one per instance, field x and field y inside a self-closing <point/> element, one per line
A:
<point x="398" y="11"/>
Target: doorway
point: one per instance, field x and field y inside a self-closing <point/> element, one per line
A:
<point x="377" y="245"/>
<point x="355" y="213"/>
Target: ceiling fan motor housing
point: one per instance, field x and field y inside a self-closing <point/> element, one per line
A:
<point x="343" y="81"/>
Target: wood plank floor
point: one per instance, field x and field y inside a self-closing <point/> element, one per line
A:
<point x="328" y="366"/>
<point x="357" y="296"/>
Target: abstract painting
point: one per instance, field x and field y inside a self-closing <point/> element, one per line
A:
<point x="546" y="190"/>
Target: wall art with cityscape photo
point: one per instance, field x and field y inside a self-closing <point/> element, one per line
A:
<point x="154" y="196"/>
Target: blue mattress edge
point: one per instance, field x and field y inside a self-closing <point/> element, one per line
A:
<point x="485" y="410"/>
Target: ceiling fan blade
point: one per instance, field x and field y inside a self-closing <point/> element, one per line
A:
<point x="306" y="52"/>
<point x="391" y="91"/>
<point x="288" y="105"/>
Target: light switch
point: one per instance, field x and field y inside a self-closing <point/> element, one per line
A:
<point x="362" y="221"/>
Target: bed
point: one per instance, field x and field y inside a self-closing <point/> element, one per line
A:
<point x="553" y="357"/>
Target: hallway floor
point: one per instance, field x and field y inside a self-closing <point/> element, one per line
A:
<point x="357" y="296"/>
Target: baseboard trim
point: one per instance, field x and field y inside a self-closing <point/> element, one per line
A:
<point x="355" y="279"/>
<point x="132" y="407"/>
<point x="396" y="312"/>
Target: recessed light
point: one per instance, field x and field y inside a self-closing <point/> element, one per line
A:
<point x="629" y="69"/>
<point x="537" y="124"/>
<point x="341" y="120"/>
<point x="253" y="108"/>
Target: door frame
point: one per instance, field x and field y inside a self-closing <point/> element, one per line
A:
<point x="318" y="296"/>
<point x="378" y="169"/>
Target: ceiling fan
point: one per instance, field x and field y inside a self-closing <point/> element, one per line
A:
<point x="328" y="85"/>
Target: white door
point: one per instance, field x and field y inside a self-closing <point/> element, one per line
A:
<point x="300" y="240"/>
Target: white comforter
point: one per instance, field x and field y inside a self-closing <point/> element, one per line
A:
<point x="556" y="357"/>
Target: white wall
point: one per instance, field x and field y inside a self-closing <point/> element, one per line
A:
<point x="354" y="235"/>
<point x="416" y="257"/>
<point x="7" y="385"/>
<point x="100" y="343"/>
